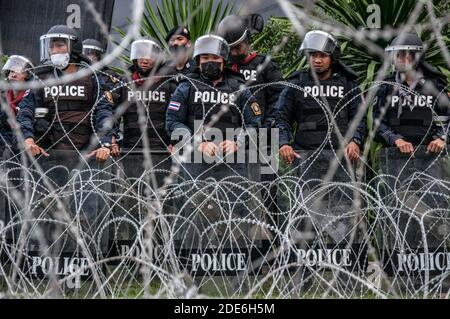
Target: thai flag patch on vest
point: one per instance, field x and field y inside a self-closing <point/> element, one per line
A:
<point x="174" y="105"/>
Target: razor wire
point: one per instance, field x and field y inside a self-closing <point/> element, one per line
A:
<point x="148" y="224"/>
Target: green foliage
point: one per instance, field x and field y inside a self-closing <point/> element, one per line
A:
<point x="275" y="31"/>
<point x="199" y="16"/>
<point x="354" y="14"/>
<point x="3" y="60"/>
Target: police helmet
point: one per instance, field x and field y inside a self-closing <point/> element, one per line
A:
<point x="93" y="47"/>
<point x="145" y="48"/>
<point x="406" y="43"/>
<point x="61" y="34"/>
<point x="19" y="64"/>
<point x="211" y="44"/>
<point x="320" y="41"/>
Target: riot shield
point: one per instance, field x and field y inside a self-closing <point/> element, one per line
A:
<point x="323" y="222"/>
<point x="413" y="217"/>
<point x="219" y="227"/>
<point x="140" y="190"/>
<point x="57" y="227"/>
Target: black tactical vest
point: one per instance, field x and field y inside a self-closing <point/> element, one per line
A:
<point x="410" y="114"/>
<point x="69" y="106"/>
<point x="313" y="120"/>
<point x="252" y="78"/>
<point x="153" y="101"/>
<point x="205" y="102"/>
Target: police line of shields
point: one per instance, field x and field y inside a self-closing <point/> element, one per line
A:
<point x="68" y="216"/>
<point x="412" y="217"/>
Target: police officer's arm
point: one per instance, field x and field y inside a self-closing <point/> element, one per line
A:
<point x="272" y="92"/>
<point x="355" y="101"/>
<point x="177" y="113"/>
<point x="442" y="111"/>
<point x="285" y="115"/>
<point x="103" y="117"/>
<point x="384" y="131"/>
<point x="251" y="112"/>
<point x="25" y="118"/>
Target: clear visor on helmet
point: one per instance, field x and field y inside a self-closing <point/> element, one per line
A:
<point x="17" y="64"/>
<point x="55" y="44"/>
<point x="318" y="41"/>
<point x="404" y="60"/>
<point x="92" y="50"/>
<point x="145" y="49"/>
<point x="211" y="44"/>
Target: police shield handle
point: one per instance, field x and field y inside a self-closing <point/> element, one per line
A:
<point x="287" y="154"/>
<point x="352" y="150"/>
<point x="34" y="148"/>
<point x="208" y="148"/>
<point x="404" y="146"/>
<point x="436" y="146"/>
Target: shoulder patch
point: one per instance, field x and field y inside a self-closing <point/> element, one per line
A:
<point x="255" y="108"/>
<point x="28" y="92"/>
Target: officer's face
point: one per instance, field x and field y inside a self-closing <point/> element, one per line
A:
<point x="17" y="76"/>
<point x="319" y="61"/>
<point x="405" y="60"/>
<point x="93" y="57"/>
<point x="146" y="64"/>
<point x="179" y="40"/>
<point x="211" y="58"/>
<point x="58" y="46"/>
<point x="242" y="48"/>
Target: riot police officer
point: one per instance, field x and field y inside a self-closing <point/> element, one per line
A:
<point x="94" y="50"/>
<point x="150" y="92"/>
<point x="336" y="84"/>
<point x="180" y="46"/>
<point x="16" y="69"/>
<point x="67" y="106"/>
<point x="212" y="87"/>
<point x="237" y="31"/>
<point x="415" y="109"/>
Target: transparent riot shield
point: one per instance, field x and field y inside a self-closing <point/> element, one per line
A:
<point x="140" y="197"/>
<point x="323" y="217"/>
<point x="219" y="228"/>
<point x="57" y="228"/>
<point x="413" y="218"/>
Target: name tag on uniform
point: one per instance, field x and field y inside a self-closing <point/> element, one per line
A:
<point x="147" y="96"/>
<point x="412" y="101"/>
<point x="324" y="91"/>
<point x="64" y="90"/>
<point x="215" y="97"/>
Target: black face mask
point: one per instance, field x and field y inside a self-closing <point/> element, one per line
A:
<point x="237" y="59"/>
<point x="211" y="70"/>
<point x="177" y="50"/>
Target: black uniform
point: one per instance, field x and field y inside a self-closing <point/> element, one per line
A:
<point x="154" y="98"/>
<point x="69" y="119"/>
<point x="294" y="105"/>
<point x="267" y="96"/>
<point x="201" y="102"/>
<point x="189" y="67"/>
<point x="413" y="112"/>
